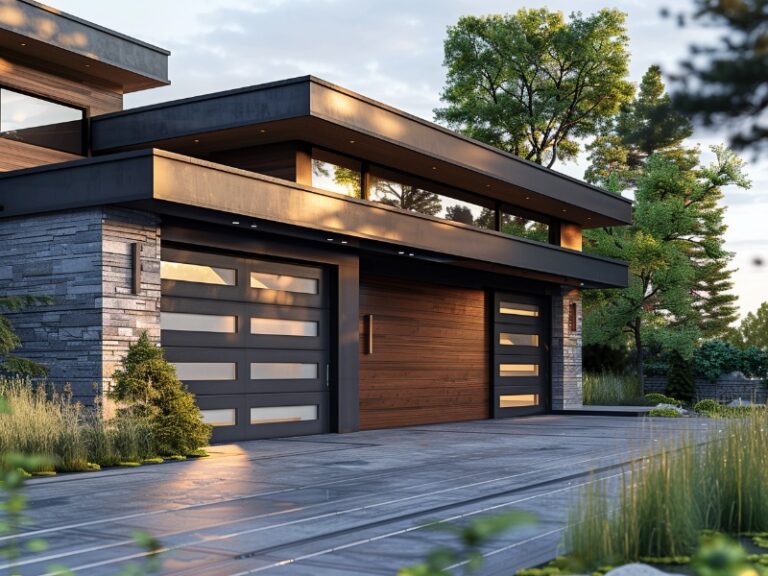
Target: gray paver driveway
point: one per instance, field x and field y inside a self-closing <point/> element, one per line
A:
<point x="351" y="504"/>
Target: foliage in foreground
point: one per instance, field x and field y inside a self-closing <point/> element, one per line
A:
<point x="147" y="387"/>
<point x="667" y="499"/>
<point x="470" y="540"/>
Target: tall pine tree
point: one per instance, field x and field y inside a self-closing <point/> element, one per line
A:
<point x="650" y="126"/>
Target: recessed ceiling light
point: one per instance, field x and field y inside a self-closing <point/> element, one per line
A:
<point x="410" y="254"/>
<point x="262" y="131"/>
<point x="235" y="222"/>
<point x="564" y="210"/>
<point x="351" y="141"/>
<point x="434" y="167"/>
<point x="196" y="140"/>
<point x="527" y="197"/>
<point x="87" y="65"/>
<point x="22" y="43"/>
<point x="487" y="185"/>
<point x="329" y="239"/>
<point x="401" y="252"/>
<point x="589" y="217"/>
<point x="254" y="225"/>
<point x="343" y="241"/>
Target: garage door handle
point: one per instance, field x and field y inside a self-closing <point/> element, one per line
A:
<point x="369" y="321"/>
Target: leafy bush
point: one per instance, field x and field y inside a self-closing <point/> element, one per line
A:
<point x="680" y="382"/>
<point x="668" y="498"/>
<point x="716" y="357"/>
<point x="754" y="362"/>
<point x="664" y="413"/>
<point x="707" y="407"/>
<point x="147" y="387"/>
<point x="654" y="398"/>
<point x="608" y="389"/>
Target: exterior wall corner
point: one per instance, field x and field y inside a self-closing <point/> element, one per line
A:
<point x="566" y="349"/>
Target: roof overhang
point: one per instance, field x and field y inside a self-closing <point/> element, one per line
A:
<point x="168" y="183"/>
<point x="32" y="31"/>
<point x="312" y="110"/>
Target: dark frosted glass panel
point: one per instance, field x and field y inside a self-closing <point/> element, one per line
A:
<point x="274" y="414"/>
<point x="194" y="371"/>
<point x="185" y="322"/>
<point x="39" y="122"/>
<point x="279" y="327"/>
<point x="283" y="371"/>
<point x="220" y="417"/>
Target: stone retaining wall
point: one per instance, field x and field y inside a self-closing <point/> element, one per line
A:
<point x="727" y="388"/>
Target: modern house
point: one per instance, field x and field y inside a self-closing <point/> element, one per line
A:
<point x="310" y="259"/>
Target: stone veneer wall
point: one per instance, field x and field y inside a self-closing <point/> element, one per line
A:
<point x="82" y="260"/>
<point x="566" y="351"/>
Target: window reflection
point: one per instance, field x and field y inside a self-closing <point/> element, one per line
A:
<point x="516" y="225"/>
<point x="36" y="121"/>
<point x="406" y="193"/>
<point x="336" y="173"/>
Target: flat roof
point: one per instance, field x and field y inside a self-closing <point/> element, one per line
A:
<point x="323" y="114"/>
<point x="168" y="183"/>
<point x="32" y="30"/>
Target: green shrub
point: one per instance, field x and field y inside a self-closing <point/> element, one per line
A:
<point x="716" y="357"/>
<point x="658" y="398"/>
<point x="754" y="362"/>
<point x="664" y="413"/>
<point x="680" y="382"/>
<point x="147" y="386"/>
<point x="133" y="437"/>
<point x="608" y="389"/>
<point x="707" y="407"/>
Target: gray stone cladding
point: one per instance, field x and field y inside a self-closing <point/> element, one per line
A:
<point x="81" y="259"/>
<point x="566" y="351"/>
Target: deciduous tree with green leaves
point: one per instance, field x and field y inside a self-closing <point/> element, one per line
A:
<point x="670" y="210"/>
<point x="532" y="83"/>
<point x="753" y="330"/>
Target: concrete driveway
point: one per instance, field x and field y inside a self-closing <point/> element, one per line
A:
<point x="351" y="504"/>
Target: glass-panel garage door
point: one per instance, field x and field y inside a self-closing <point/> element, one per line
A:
<point x="520" y="357"/>
<point x="250" y="338"/>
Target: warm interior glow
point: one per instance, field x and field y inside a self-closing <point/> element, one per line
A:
<point x="518" y="309"/>
<point x="518" y="400"/>
<point x="279" y="327"/>
<point x="283" y="371"/>
<point x="219" y="417"/>
<point x="509" y="339"/>
<point x="195" y="371"/>
<point x="518" y="369"/>
<point x="185" y="322"/>
<point x="283" y="283"/>
<point x="196" y="273"/>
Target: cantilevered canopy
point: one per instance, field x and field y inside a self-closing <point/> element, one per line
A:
<point x="168" y="183"/>
<point x="33" y="31"/>
<point x="315" y="111"/>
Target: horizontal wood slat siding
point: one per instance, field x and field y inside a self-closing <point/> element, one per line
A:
<point x="94" y="99"/>
<point x="16" y="155"/>
<point x="430" y="360"/>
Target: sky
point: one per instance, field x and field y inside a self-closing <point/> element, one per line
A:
<point x="391" y="51"/>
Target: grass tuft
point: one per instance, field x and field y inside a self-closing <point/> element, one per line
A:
<point x="607" y="389"/>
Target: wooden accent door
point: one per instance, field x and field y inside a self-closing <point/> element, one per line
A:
<point x="429" y="357"/>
